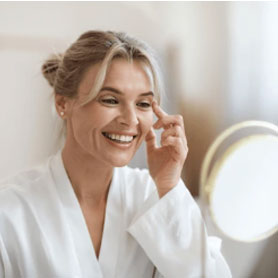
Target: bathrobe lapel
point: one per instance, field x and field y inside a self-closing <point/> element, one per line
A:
<point x="90" y="266"/>
<point x="112" y="231"/>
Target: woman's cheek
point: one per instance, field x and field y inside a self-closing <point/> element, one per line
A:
<point x="148" y="123"/>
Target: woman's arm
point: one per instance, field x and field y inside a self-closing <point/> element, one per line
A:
<point x="173" y="235"/>
<point x="171" y="231"/>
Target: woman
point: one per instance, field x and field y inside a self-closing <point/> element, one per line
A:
<point x="84" y="213"/>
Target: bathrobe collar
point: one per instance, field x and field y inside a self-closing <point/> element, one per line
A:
<point x="90" y="266"/>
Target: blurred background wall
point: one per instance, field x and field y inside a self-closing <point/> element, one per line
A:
<point x="220" y="63"/>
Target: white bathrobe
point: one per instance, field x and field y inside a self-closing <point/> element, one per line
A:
<point x="43" y="233"/>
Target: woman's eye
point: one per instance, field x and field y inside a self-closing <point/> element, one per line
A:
<point x="144" y="104"/>
<point x="109" y="101"/>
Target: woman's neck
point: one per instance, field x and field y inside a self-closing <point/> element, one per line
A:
<point x="90" y="178"/>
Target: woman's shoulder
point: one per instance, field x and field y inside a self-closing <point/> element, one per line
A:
<point x="25" y="176"/>
<point x="22" y="177"/>
<point x="21" y="185"/>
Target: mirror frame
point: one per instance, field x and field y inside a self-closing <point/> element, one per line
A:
<point x="207" y="179"/>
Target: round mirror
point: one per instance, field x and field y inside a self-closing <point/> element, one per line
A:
<point x="239" y="181"/>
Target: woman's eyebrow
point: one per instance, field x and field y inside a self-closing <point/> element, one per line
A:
<point x="150" y="93"/>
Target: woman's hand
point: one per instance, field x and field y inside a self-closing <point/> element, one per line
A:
<point x="166" y="162"/>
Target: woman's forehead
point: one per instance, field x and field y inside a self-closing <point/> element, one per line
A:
<point x="127" y="74"/>
<point x="134" y="78"/>
<point x="121" y="74"/>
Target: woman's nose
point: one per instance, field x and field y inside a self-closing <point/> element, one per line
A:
<point x="128" y="117"/>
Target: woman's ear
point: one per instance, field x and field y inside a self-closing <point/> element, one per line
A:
<point x="61" y="104"/>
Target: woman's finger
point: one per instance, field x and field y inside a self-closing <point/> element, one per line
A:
<point x="165" y="120"/>
<point x="159" y="112"/>
<point x="177" y="150"/>
<point x="150" y="140"/>
<point x="168" y="121"/>
<point x="175" y="131"/>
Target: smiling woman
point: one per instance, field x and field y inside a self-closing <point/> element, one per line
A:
<point x="84" y="212"/>
<point x="112" y="126"/>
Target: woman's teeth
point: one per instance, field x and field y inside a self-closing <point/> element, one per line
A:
<point x="119" y="138"/>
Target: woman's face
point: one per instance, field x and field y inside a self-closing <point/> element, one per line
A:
<point x="111" y="127"/>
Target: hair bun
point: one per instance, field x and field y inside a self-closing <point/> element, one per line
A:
<point x="50" y="67"/>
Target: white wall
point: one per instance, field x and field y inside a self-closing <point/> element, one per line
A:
<point x="253" y="61"/>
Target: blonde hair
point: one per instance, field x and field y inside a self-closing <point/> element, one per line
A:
<point x="64" y="72"/>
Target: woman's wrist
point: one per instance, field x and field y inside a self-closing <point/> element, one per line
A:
<point x="163" y="190"/>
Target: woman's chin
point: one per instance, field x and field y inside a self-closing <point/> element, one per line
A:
<point x="120" y="163"/>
